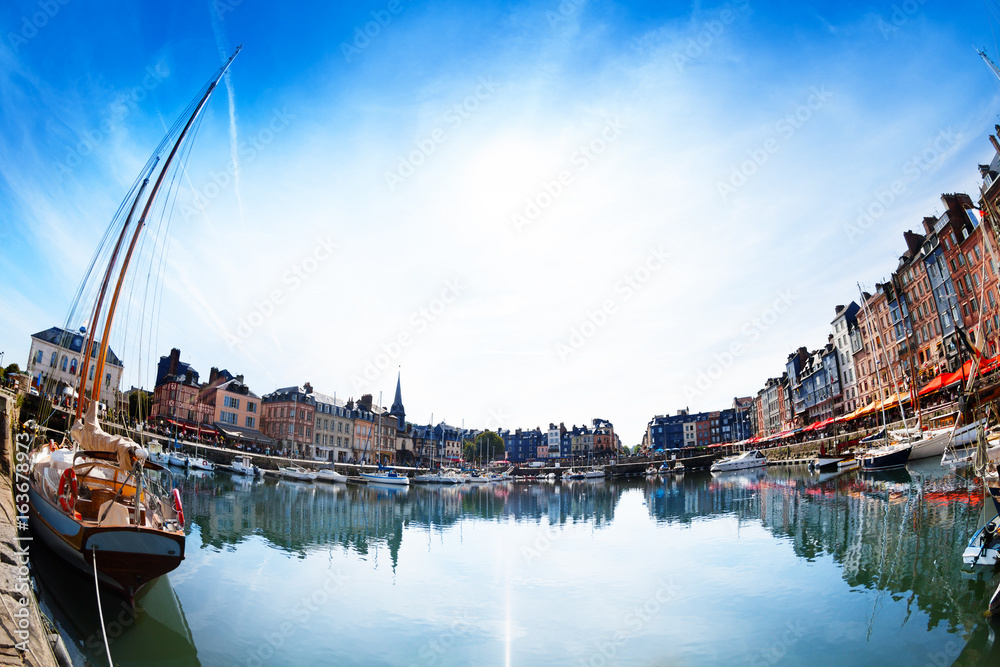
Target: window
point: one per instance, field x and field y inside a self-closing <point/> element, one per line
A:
<point x="72" y="367"/>
<point x="65" y="363"/>
<point x="251" y="406"/>
<point x="250" y="422"/>
<point x="227" y="417"/>
<point x="91" y="372"/>
<point x="55" y="357"/>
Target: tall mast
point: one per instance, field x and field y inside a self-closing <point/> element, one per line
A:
<point x="99" y="371"/>
<point x="989" y="63"/>
<point x="100" y="298"/>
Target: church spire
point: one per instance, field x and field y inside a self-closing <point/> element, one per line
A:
<point x="397" y="410"/>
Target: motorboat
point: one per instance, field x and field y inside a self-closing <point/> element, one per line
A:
<point x="886" y="457"/>
<point x="177" y="459"/>
<point x="848" y="463"/>
<point x="243" y="465"/>
<point x="297" y="473"/>
<point x="593" y="473"/>
<point x="386" y="476"/>
<point x="476" y="477"/>
<point x="197" y="463"/>
<point x="330" y="475"/>
<point x="743" y="461"/>
<point x="984" y="547"/>
<point x="573" y="474"/>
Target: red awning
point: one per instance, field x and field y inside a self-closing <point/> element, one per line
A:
<point x="933" y="385"/>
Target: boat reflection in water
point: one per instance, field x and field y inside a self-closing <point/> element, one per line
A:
<point x="866" y="566"/>
<point x="155" y="631"/>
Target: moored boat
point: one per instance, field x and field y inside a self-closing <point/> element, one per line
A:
<point x="386" y="476"/>
<point x="984" y="546"/>
<point x="197" y="463"/>
<point x="743" y="461"/>
<point x="243" y="465"/>
<point x="331" y="476"/>
<point x="96" y="504"/>
<point x="177" y="459"/>
<point x="297" y="473"/>
<point x="91" y="500"/>
<point x="886" y="457"/>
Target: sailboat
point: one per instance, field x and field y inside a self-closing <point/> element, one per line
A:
<point x="384" y="474"/>
<point x="90" y="498"/>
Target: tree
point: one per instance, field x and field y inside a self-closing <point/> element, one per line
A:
<point x="139" y="404"/>
<point x="11" y="369"/>
<point x="489" y="446"/>
<point x="468" y="450"/>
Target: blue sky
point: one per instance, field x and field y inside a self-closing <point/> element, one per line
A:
<point x="539" y="211"/>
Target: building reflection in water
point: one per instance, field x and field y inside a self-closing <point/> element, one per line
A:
<point x="899" y="533"/>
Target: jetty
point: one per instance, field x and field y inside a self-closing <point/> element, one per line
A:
<point x="26" y="637"/>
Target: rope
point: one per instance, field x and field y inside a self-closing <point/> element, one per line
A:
<point x="97" y="590"/>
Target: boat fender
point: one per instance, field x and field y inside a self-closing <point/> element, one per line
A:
<point x="68" y="490"/>
<point x="178" y="507"/>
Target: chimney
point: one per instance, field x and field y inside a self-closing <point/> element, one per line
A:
<point x="308" y="387"/>
<point x="996" y="145"/>
<point x="213" y="375"/>
<point x="175" y="358"/>
<point x="929" y="222"/>
<point x="239" y="378"/>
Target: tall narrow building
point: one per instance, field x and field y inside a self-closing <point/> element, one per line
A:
<point x="397" y="410"/>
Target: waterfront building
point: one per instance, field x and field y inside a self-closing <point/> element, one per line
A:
<point x="232" y="401"/>
<point x="448" y="443"/>
<point x="287" y="415"/>
<point x="331" y="429"/>
<point x="814" y="381"/>
<point x="973" y="272"/>
<point x="773" y="407"/>
<point x="581" y="441"/>
<point x="56" y="360"/>
<point x="177" y="395"/>
<point x="844" y="322"/>
<point x="682" y="430"/>
<point x="554" y="438"/>
<point x="605" y="440"/>
<point x="870" y="362"/>
<point x="990" y="233"/>
<point x="522" y="446"/>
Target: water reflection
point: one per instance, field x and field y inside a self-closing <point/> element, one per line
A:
<point x="897" y="537"/>
<point x="156" y="626"/>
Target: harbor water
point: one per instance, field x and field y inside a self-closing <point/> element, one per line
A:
<point x="764" y="567"/>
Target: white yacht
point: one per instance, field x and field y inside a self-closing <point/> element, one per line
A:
<point x="330" y="475"/>
<point x="297" y="473"/>
<point x="198" y="463"/>
<point x="744" y="461"/>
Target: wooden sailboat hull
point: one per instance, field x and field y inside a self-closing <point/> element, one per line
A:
<point x="128" y="557"/>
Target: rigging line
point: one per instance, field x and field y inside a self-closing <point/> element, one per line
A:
<point x="990" y="21"/>
<point x="100" y="611"/>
